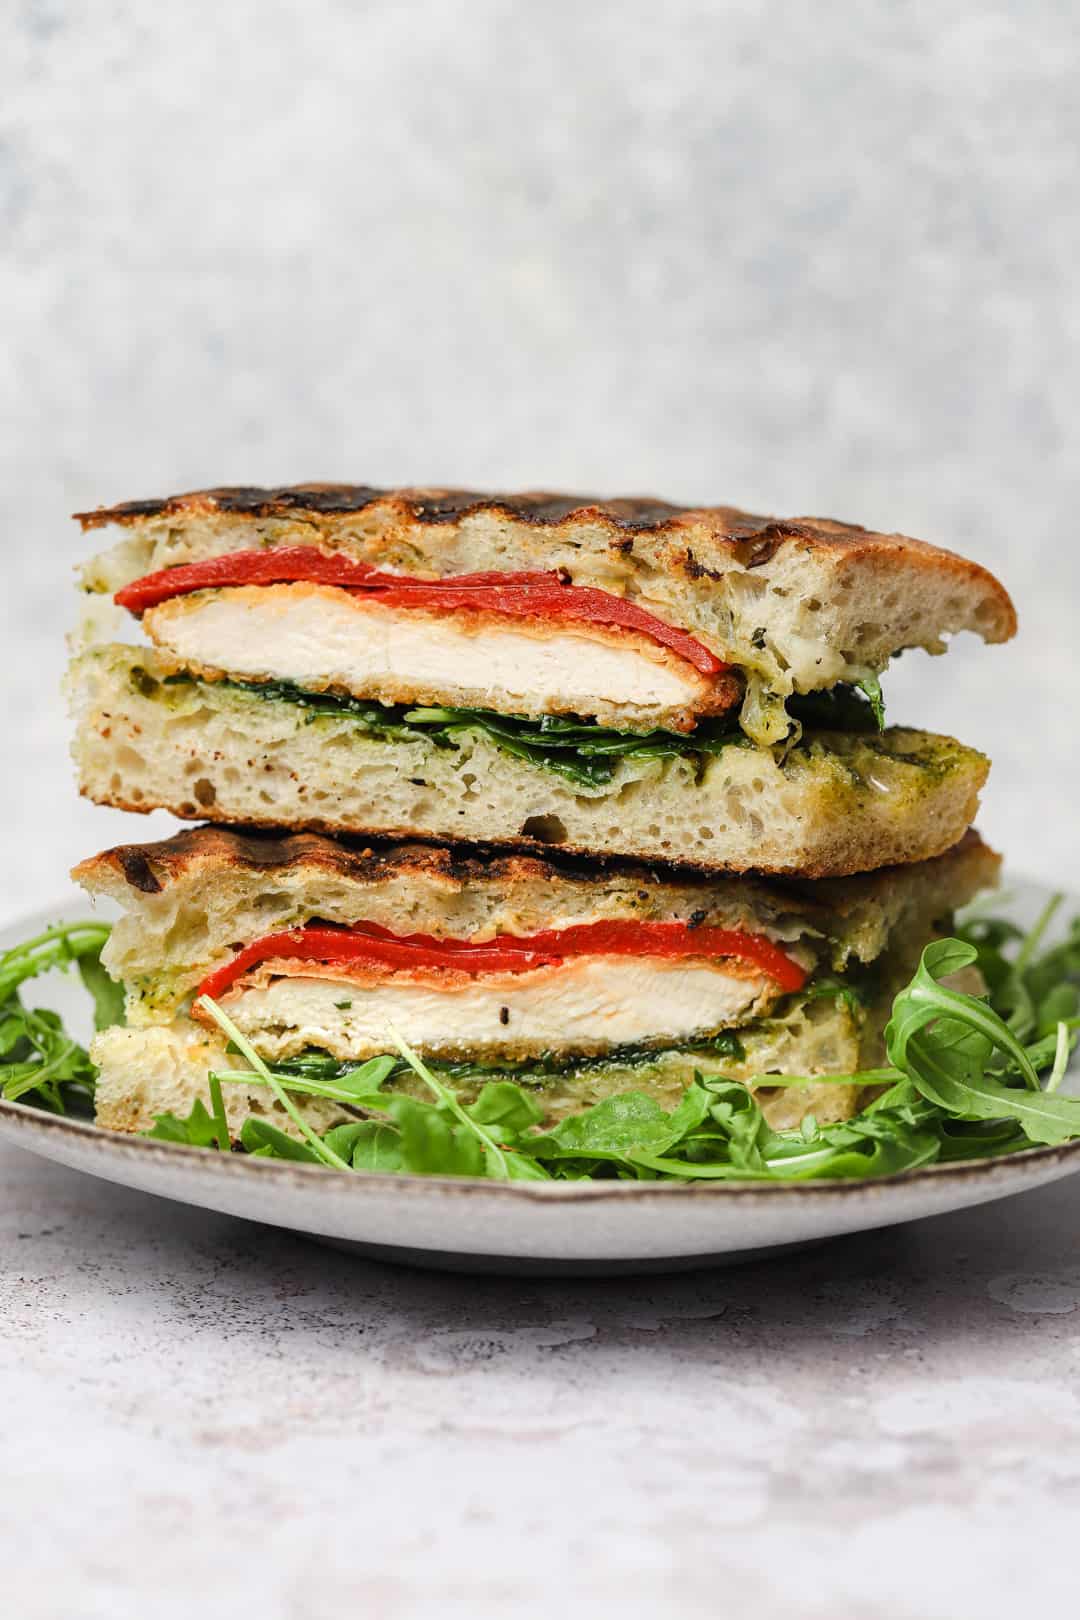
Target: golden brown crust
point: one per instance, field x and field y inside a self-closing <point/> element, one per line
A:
<point x="152" y="867"/>
<point x="701" y="539"/>
<point x="634" y="514"/>
<point x="842" y="896"/>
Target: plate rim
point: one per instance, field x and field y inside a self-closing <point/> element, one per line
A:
<point x="25" y="1117"/>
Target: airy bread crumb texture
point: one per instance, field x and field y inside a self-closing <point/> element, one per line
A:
<point x="834" y="804"/>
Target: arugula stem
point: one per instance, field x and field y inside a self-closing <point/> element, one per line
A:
<point x="63" y="931"/>
<point x="1034" y="935"/>
<point x="28" y="959"/>
<point x="307" y="1088"/>
<point x="1061" y="1057"/>
<point x="867" y="1077"/>
<point x="313" y="1139"/>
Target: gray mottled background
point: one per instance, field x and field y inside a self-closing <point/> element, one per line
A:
<point x="805" y="258"/>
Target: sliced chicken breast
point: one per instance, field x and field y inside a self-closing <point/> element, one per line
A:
<point x="583" y="1005"/>
<point x="321" y="637"/>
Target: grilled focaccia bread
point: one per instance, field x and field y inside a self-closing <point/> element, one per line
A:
<point x="635" y="613"/>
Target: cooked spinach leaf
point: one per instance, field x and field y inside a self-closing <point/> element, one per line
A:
<point x="584" y="752"/>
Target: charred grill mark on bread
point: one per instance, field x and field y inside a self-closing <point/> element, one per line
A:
<point x="697" y="538"/>
<point x="151" y="867"/>
<point x="543" y="508"/>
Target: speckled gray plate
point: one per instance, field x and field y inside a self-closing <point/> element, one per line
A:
<point x="601" y="1227"/>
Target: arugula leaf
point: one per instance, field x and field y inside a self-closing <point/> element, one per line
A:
<point x="620" y="1127"/>
<point x="944" y="1041"/>
<point x="610" y="1130"/>
<point x="1043" y="1117"/>
<point x="431" y="1143"/>
<point x="870" y="686"/>
<point x="971" y="1031"/>
<point x="314" y="1076"/>
<point x="504" y="1105"/>
<point x="199" y="1129"/>
<point x="266" y="1141"/>
<point x="836" y="1153"/>
<point x="369" y="1145"/>
<point x="1005" y="975"/>
<point x="39" y="1061"/>
<point x="108" y="995"/>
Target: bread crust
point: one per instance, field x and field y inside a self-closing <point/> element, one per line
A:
<point x="428" y="506"/>
<point x="211" y="853"/>
<point x="703" y="541"/>
<point x="152" y="867"/>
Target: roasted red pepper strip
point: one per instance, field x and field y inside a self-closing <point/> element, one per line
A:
<point x="371" y="944"/>
<point x="512" y="595"/>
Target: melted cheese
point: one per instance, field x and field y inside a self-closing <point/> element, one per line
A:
<point x="587" y="1005"/>
<point x="316" y="636"/>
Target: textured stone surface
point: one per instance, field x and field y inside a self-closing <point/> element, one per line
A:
<point x="783" y="255"/>
<point x="205" y="1417"/>
<point x="802" y="258"/>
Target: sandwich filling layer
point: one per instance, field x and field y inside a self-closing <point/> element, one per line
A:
<point x="518" y="641"/>
<point x="580" y="982"/>
<point x="322" y="637"/>
<point x="517" y="594"/>
<point x="584" y="989"/>
<point x="587" y="1006"/>
<point x="260" y="755"/>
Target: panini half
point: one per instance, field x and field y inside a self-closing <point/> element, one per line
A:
<point x="579" y="981"/>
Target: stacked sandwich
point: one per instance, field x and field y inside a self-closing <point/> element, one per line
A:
<point x="593" y="794"/>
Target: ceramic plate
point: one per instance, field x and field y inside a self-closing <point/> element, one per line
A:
<point x="526" y="1226"/>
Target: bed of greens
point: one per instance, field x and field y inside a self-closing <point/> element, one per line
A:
<point x="967" y="1077"/>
